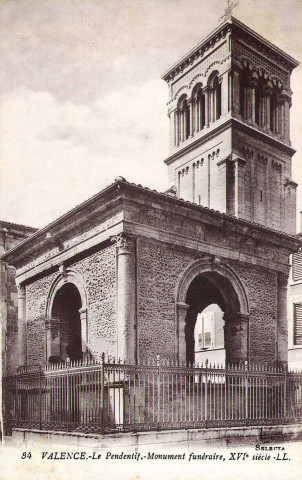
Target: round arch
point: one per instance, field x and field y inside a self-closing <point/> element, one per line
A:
<point x="69" y="276"/>
<point x="207" y="281"/>
<point x="68" y="287"/>
<point x="211" y="74"/>
<point x="206" y="265"/>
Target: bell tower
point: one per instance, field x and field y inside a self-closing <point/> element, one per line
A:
<point x="229" y="110"/>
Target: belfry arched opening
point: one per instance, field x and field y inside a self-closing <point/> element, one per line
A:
<point x="215" y="329"/>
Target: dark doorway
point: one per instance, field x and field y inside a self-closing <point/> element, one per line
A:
<point x="66" y="306"/>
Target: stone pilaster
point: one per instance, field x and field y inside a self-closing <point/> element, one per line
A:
<point x="84" y="329"/>
<point x="225" y="190"/>
<point x="287" y="106"/>
<point x="225" y="93"/>
<point x="182" y="310"/>
<point x="236" y="334"/>
<point x="22" y="331"/>
<point x="282" y="321"/>
<point x="191" y="104"/>
<point x="126" y="297"/>
<point x="206" y="106"/>
<point x="239" y="164"/>
<point x="176" y="127"/>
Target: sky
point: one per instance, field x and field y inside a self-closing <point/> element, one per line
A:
<point x="82" y="101"/>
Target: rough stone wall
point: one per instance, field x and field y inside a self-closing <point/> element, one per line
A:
<point x="261" y="288"/>
<point x="36" y="298"/>
<point x="98" y="273"/>
<point x="159" y="267"/>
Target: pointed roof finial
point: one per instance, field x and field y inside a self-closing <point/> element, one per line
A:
<point x="229" y="10"/>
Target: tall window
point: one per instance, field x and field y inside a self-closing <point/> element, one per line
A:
<point x="274" y="114"/>
<point x="257" y="107"/>
<point x="297" y="266"/>
<point x="217" y="96"/>
<point x="298" y="324"/>
<point x="242" y="97"/>
<point x="183" y="120"/>
<point x="200" y="118"/>
<point x="214" y="104"/>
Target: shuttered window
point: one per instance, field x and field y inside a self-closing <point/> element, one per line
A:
<point x="298" y="324"/>
<point x="297" y="266"/>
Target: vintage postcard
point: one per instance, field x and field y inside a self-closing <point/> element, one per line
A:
<point x="150" y="239"/>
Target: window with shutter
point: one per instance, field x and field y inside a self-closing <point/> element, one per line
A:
<point x="297" y="266"/>
<point x="298" y="324"/>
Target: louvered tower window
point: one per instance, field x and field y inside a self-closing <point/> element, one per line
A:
<point x="298" y="324"/>
<point x="297" y="266"/>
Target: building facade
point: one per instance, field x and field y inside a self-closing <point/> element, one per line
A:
<point x="295" y="313"/>
<point x="11" y="234"/>
<point x="129" y="271"/>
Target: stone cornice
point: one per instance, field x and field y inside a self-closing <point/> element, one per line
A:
<point x="112" y="204"/>
<point x="230" y="25"/>
<point x="187" y="243"/>
<point x="231" y="122"/>
<point x="78" y="218"/>
<point x="255" y="132"/>
<point x="214" y="218"/>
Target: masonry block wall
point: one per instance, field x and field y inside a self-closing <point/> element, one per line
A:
<point x="99" y="276"/>
<point x="159" y="268"/>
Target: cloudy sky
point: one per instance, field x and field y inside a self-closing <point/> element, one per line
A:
<point x="81" y="96"/>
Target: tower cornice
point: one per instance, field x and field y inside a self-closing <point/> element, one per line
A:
<point x="231" y="123"/>
<point x="232" y="25"/>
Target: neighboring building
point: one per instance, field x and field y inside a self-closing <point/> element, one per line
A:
<point x="209" y="336"/>
<point x="295" y="313"/>
<point x="130" y="270"/>
<point x="11" y="234"/>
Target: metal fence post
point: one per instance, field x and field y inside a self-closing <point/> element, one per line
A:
<point x="246" y="393"/>
<point x="206" y="395"/>
<point x="40" y="401"/>
<point x="102" y="393"/>
<point x="17" y="402"/>
<point x="158" y="391"/>
<point x="285" y="393"/>
<point x="67" y="390"/>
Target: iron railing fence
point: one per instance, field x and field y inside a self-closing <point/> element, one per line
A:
<point x="111" y="396"/>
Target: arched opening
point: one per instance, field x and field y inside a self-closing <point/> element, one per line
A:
<point x="217" y="97"/>
<point x="183" y="123"/>
<point x="214" y="86"/>
<point x="214" y="317"/>
<point x="199" y="108"/>
<point x="65" y="322"/>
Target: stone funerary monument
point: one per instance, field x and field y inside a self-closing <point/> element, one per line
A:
<point x="128" y="271"/>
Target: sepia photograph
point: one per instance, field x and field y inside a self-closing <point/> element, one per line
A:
<point x="151" y="239"/>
